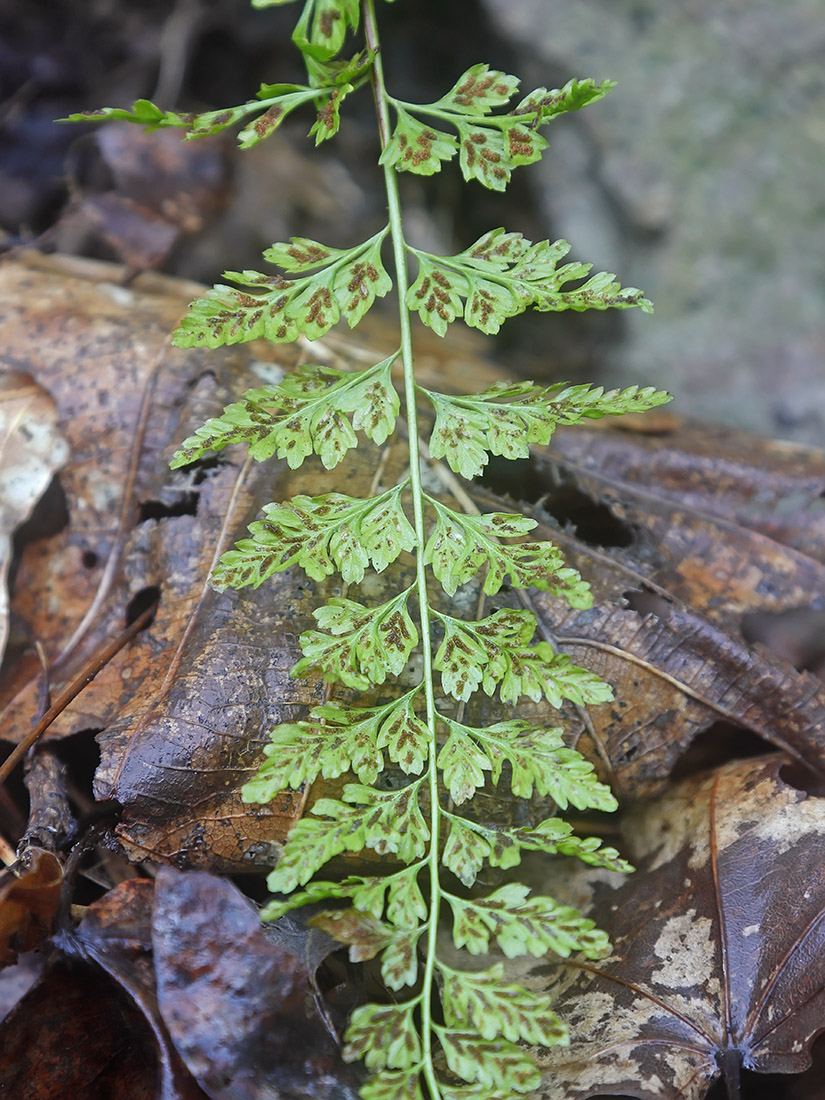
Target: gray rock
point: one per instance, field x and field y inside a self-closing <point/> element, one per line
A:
<point x="701" y="178"/>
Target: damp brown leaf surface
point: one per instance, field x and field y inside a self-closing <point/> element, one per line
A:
<point x="680" y="566"/>
<point x="183" y="712"/>
<point x="31" y="451"/>
<point x="233" y="995"/>
<point x="718" y="959"/>
<point x="682" y="532"/>
<point x="183" y="709"/>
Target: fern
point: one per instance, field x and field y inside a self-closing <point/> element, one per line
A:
<point x="446" y="1030"/>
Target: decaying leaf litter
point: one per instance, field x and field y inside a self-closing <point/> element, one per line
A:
<point x="182" y="713"/>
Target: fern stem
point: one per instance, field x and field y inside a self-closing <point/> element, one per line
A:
<point x="401" y="281"/>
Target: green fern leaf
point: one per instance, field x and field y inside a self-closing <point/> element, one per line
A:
<point x="478" y="91"/>
<point x="416" y="147"/>
<point x="399" y="960"/>
<point x="358" y="645"/>
<point x="392" y="822"/>
<point x="537" y="756"/>
<point x="339" y="72"/>
<point x="462" y="764"/>
<point x="482" y="1001"/>
<point x="337" y="738"/>
<point x="522" y="925"/>
<point x="483" y="155"/>
<point x="470" y="844"/>
<point x="502" y="274"/>
<point x="406" y="907"/>
<point x="367" y="936"/>
<point x="393" y="1085"/>
<point x="273" y="104"/>
<point x="328" y="121"/>
<point x="398" y="892"/>
<point x="494" y="653"/>
<point x="406" y="737"/>
<point x="309" y="411"/>
<point x="389" y="822"/>
<point x="460" y="545"/>
<point x="507" y="417"/>
<point x="465" y="851"/>
<point x="320" y="534"/>
<point x="299" y="753"/>
<point x="575" y="94"/>
<point x="280" y="310"/>
<point x="316" y="891"/>
<point x="491" y="1064"/>
<point x="490" y="145"/>
<point x="384" y="1036"/>
<point x="323" y="26"/>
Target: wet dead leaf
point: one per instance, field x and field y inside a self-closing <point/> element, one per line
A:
<point x="767" y="486"/>
<point x="677" y="581"/>
<point x="718" y="944"/>
<point x="236" y="1001"/>
<point x="116" y="934"/>
<point x="28" y="903"/>
<point x="32" y="449"/>
<point x="75" y="1035"/>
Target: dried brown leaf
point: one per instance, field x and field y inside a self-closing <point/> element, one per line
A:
<point x="718" y="944"/>
<point x="673" y="579"/>
<point x="235" y="999"/>
<point x="28" y="903"/>
<point x="31" y="450"/>
<point x="76" y="1036"/>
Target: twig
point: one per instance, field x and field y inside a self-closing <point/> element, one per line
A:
<point x="85" y="677"/>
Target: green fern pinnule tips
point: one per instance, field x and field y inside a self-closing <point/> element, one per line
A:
<point x="314" y="410"/>
<point x="340" y="739"/>
<point x="359" y="645"/>
<point x="460" y="546"/>
<point x="280" y="310"/>
<point x="323" y="535"/>
<point x="502" y="275"/>
<point x="490" y="145"/>
<point x="507" y="418"/>
<point x="495" y="654"/>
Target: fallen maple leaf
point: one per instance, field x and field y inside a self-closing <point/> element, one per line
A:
<point x="718" y="945"/>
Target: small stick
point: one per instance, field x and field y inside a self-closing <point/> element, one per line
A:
<point x="85" y="677"/>
<point x="50" y="819"/>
